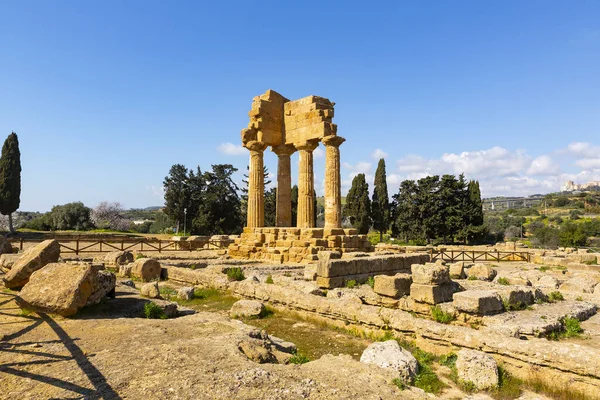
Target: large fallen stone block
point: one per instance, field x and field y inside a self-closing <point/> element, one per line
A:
<point x="390" y="355"/>
<point x="579" y="284"/>
<point x="457" y="270"/>
<point x="5" y="246"/>
<point x="63" y="289"/>
<point x="34" y="259"/>
<point x="247" y="309"/>
<point x="480" y="302"/>
<point x="150" y="290"/>
<point x="392" y="286"/>
<point x="430" y="274"/>
<point x="147" y="269"/>
<point x="104" y="286"/>
<point x="481" y="272"/>
<point x="517" y="297"/>
<point x="432" y="294"/>
<point x="478" y="368"/>
<point x="119" y="257"/>
<point x="7" y="261"/>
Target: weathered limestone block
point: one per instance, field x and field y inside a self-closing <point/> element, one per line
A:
<point x="5" y="246"/>
<point x="150" y="290"/>
<point x="247" y="309"/>
<point x="482" y="272"/>
<point x="390" y="355"/>
<point x="104" y="285"/>
<point x="185" y="293"/>
<point x="518" y="296"/>
<point x="513" y="279"/>
<point x="34" y="259"/>
<point x="432" y="294"/>
<point x="579" y="284"/>
<point x="7" y="260"/>
<point x="457" y="270"/>
<point x="393" y="286"/>
<point x="430" y="274"/>
<point x="480" y="302"/>
<point x="119" y="257"/>
<point x="478" y="368"/>
<point x="147" y="269"/>
<point x="58" y="288"/>
<point x="547" y="282"/>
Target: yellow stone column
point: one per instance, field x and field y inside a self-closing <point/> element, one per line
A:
<point x="284" y="185"/>
<point x="306" y="185"/>
<point x="333" y="182"/>
<point x="256" y="185"/>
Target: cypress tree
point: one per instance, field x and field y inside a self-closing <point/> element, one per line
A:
<point x="358" y="205"/>
<point x="294" y="204"/>
<point x="380" y="206"/>
<point x="10" y="178"/>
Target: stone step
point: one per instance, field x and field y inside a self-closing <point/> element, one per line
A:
<point x="539" y="320"/>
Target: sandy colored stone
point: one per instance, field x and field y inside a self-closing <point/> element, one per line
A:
<point x="430" y="274"/>
<point x="481" y="272"/>
<point x="44" y="253"/>
<point x="480" y="302"/>
<point x="58" y="288"/>
<point x="432" y="294"/>
<point x="150" y="290"/>
<point x="306" y="184"/>
<point x="478" y="368"/>
<point x="333" y="182"/>
<point x="390" y="355"/>
<point x="146" y="269"/>
<point x="247" y="309"/>
<point x="119" y="257"/>
<point x="392" y="286"/>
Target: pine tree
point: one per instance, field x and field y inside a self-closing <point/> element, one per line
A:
<point x="358" y="205"/>
<point x="406" y="213"/>
<point x="10" y="178"/>
<point x="177" y="193"/>
<point x="380" y="206"/>
<point x="429" y="206"/>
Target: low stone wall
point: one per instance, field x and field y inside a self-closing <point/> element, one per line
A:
<point x="283" y="245"/>
<point x="332" y="272"/>
<point x="565" y="261"/>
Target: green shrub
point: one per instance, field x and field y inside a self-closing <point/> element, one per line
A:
<point x="503" y="281"/>
<point x="472" y="278"/>
<point x="167" y="292"/>
<point x="140" y="255"/>
<point x="153" y="311"/>
<point x="572" y="327"/>
<point x="298" y="358"/>
<point x="399" y="384"/>
<point x="555" y="296"/>
<point x="235" y="274"/>
<point x="269" y="280"/>
<point x="449" y="360"/>
<point x="351" y="284"/>
<point x="441" y="316"/>
<point x="544" y="268"/>
<point x="371" y="281"/>
<point x="592" y="262"/>
<point x="193" y="266"/>
<point x="514" y="307"/>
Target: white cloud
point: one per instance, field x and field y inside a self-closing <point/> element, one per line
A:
<point x="318" y="153"/>
<point x="231" y="149"/>
<point x="361" y="167"/>
<point x="378" y="153"/>
<point x="543" y="166"/>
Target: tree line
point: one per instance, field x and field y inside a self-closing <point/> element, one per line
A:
<point x="446" y="208"/>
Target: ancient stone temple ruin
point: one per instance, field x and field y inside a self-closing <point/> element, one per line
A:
<point x="289" y="126"/>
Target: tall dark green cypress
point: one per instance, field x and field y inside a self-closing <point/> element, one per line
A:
<point x="10" y="178"/>
<point x="294" y="204"/>
<point x="380" y="206"/>
<point x="358" y="205"/>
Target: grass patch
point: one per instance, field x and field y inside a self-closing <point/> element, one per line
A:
<point x="572" y="327"/>
<point x="398" y="383"/>
<point x="167" y="292"/>
<point x="592" y="262"/>
<point x="235" y="274"/>
<point x="555" y="296"/>
<point x="269" y="280"/>
<point x="426" y="379"/>
<point x="351" y="284"/>
<point x="371" y="282"/>
<point x="153" y="311"/>
<point x="193" y="266"/>
<point x="441" y="316"/>
<point x="543" y="268"/>
<point x="503" y="281"/>
<point x="298" y="358"/>
<point x="448" y="360"/>
<point x="518" y="306"/>
<point x="472" y="278"/>
<point x="140" y="255"/>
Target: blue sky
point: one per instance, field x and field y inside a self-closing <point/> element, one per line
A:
<point x="106" y="96"/>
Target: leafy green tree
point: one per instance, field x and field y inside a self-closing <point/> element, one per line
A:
<point x="10" y="178"/>
<point x="405" y="211"/>
<point x="451" y="203"/>
<point x="429" y="206"/>
<point x="220" y="212"/>
<point x="380" y="206"/>
<point x="271" y="207"/>
<point x="358" y="205"/>
<point x="474" y="228"/>
<point x="71" y="216"/>
<point x="177" y="193"/>
<point x="294" y="205"/>
<point x="572" y="235"/>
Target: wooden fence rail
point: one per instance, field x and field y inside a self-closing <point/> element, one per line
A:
<point x="479" y="255"/>
<point x="79" y="246"/>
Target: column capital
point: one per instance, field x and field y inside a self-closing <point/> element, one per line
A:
<point x="254" y="145"/>
<point x="333" y="140"/>
<point x="308" y="145"/>
<point x="284" y="149"/>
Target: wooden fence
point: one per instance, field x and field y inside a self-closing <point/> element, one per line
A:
<point x="79" y="246"/>
<point x="479" y="255"/>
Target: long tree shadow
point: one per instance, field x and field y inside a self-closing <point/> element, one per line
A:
<point x="102" y="390"/>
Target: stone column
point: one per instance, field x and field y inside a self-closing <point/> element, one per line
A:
<point x="284" y="185"/>
<point x="333" y="182"/>
<point x="306" y="185"/>
<point x="256" y="185"/>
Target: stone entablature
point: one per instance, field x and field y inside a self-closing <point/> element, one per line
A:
<point x="296" y="244"/>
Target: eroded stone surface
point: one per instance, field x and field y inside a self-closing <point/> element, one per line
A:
<point x="478" y="368"/>
<point x="32" y="260"/>
<point x="390" y="355"/>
